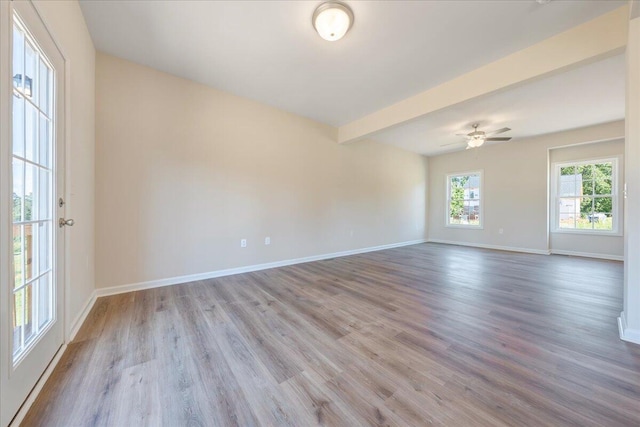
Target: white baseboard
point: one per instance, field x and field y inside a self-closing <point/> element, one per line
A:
<point x="587" y="255"/>
<point x="495" y="247"/>
<point x="626" y="334"/>
<point x="100" y="292"/>
<point x="80" y="318"/>
<point x="17" y="420"/>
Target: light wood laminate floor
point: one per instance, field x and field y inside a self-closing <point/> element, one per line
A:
<point x="422" y="335"/>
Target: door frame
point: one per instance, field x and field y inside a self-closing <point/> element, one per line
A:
<point x="63" y="145"/>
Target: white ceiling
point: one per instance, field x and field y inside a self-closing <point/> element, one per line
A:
<point x="581" y="97"/>
<point x="268" y="50"/>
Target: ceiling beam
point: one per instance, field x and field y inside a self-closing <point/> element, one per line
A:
<point x="589" y="42"/>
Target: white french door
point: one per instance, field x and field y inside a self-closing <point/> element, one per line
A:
<point x="32" y="164"/>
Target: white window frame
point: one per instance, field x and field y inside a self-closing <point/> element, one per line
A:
<point x="616" y="203"/>
<point x="480" y="174"/>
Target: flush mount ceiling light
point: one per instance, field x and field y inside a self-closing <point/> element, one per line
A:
<point x="332" y="20"/>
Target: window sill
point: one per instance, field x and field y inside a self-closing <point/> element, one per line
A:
<point x="471" y="227"/>
<point x="588" y="232"/>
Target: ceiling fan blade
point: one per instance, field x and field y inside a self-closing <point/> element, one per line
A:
<point x="463" y="134"/>
<point x="499" y="139"/>
<point x="497" y="131"/>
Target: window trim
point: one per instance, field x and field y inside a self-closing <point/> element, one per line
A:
<point x="447" y="217"/>
<point x="616" y="205"/>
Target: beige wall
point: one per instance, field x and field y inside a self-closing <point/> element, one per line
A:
<point x="185" y="171"/>
<point x="66" y="23"/>
<point x="590" y="244"/>
<point x="515" y="189"/>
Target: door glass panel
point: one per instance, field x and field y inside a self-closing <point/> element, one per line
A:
<point x="18" y="58"/>
<point x="18" y="321"/>
<point x="45" y="80"/>
<point x="33" y="193"/>
<point x="31" y="132"/>
<point x="44" y="300"/>
<point x="43" y="207"/>
<point x="44" y="257"/>
<point x="18" y="189"/>
<point x="45" y="144"/>
<point x="18" y="259"/>
<point x="29" y="330"/>
<point x="30" y="72"/>
<point x="18" y="125"/>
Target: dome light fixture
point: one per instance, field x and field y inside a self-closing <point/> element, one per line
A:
<point x="332" y="20"/>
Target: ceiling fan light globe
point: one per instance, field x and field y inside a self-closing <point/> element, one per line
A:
<point x="475" y="142"/>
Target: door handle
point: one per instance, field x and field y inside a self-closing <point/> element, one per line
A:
<point x="62" y="222"/>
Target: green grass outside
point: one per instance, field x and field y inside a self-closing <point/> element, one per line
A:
<point x="584" y="224"/>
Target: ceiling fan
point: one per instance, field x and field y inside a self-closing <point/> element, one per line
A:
<point x="477" y="137"/>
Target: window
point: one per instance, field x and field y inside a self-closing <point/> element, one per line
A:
<point x="585" y="196"/>
<point x="464" y="206"/>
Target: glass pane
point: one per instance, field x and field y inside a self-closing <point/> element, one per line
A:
<point x="44" y="255"/>
<point x="458" y="181"/>
<point x="18" y="126"/>
<point x="568" y="210"/>
<point x="586" y="171"/>
<point x="567" y="170"/>
<point x="44" y="300"/>
<point x="29" y="313"/>
<point x="602" y="216"/>
<point x="605" y="209"/>
<point x="18" y="189"/>
<point x="30" y="183"/>
<point x="603" y="186"/>
<point x="18" y="259"/>
<point x="473" y="182"/>
<point x="18" y="320"/>
<point x="586" y="219"/>
<point x="587" y="188"/>
<point x="33" y="257"/>
<point x="45" y="81"/>
<point x="30" y="72"/>
<point x="568" y="185"/>
<point x="455" y="211"/>
<point x="603" y="205"/>
<point x="31" y="132"/>
<point x="474" y="193"/>
<point x="28" y="251"/>
<point x="45" y="144"/>
<point x="18" y="57"/>
<point x="472" y="212"/>
<point x="44" y="195"/>
<point x="603" y="171"/>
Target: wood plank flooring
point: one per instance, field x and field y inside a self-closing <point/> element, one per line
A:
<point x="422" y="335"/>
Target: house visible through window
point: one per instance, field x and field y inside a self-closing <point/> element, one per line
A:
<point x="464" y="200"/>
<point x="585" y="196"/>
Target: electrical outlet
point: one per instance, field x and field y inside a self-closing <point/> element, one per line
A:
<point x="501" y="231"/>
<point x="267" y="240"/>
<point x="243" y="243"/>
